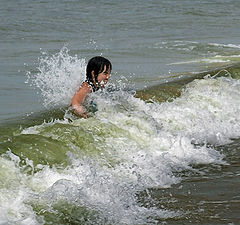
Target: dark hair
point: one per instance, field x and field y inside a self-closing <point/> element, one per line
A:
<point x="97" y="65"/>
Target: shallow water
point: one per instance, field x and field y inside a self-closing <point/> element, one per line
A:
<point x="163" y="145"/>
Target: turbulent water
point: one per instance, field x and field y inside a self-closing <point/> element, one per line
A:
<point x="162" y="144"/>
<point x="132" y="162"/>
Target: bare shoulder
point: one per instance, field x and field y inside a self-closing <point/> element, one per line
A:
<point x="80" y="95"/>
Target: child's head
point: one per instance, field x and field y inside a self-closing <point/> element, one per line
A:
<point x="96" y="66"/>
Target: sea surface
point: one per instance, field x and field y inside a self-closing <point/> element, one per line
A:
<point x="162" y="145"/>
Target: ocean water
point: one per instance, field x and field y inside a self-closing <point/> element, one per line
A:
<point x="162" y="145"/>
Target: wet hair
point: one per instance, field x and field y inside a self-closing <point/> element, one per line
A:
<point x="97" y="65"/>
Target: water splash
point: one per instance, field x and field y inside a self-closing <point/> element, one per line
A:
<point x="58" y="77"/>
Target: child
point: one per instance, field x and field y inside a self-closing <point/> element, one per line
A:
<point x="97" y="74"/>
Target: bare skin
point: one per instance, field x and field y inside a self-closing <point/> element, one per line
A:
<point x="85" y="89"/>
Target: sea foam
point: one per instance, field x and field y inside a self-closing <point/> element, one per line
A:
<point x="58" y="77"/>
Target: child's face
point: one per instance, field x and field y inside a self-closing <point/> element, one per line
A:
<point x="104" y="76"/>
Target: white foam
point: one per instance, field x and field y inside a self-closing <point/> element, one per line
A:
<point x="225" y="45"/>
<point x="208" y="110"/>
<point x="59" y="77"/>
<point x="37" y="128"/>
<point x="205" y="60"/>
<point x="14" y="195"/>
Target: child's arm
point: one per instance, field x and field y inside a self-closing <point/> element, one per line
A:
<point x="78" y="99"/>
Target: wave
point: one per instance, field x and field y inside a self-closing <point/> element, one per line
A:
<point x="198" y="53"/>
<point x="98" y="168"/>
